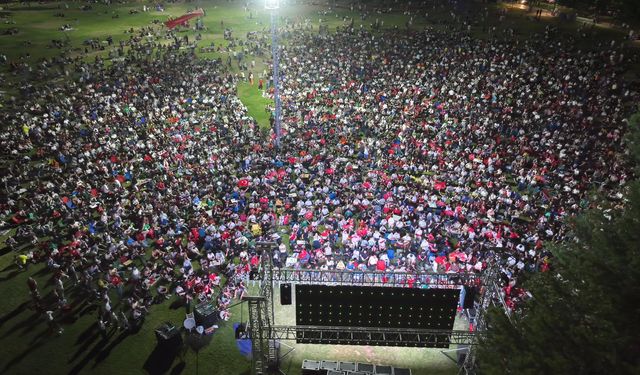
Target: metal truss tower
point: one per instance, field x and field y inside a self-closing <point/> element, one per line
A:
<point x="265" y="335"/>
<point x="264" y="359"/>
<point x="273" y="6"/>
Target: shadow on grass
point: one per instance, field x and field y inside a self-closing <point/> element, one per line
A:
<point x="13" y="313"/>
<point x="42" y="272"/>
<point x="176" y="304"/>
<point x="9" y="267"/>
<point x="84" y="347"/>
<point x="106" y="351"/>
<point x="177" y="369"/>
<point x="161" y="359"/>
<point x="25" y="325"/>
<point x="97" y="348"/>
<point x="17" y="359"/>
<point x="87" y="333"/>
<point x="11" y="275"/>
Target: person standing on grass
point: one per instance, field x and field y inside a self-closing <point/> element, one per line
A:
<point x="123" y="322"/>
<point x="59" y="287"/>
<point x="102" y="327"/>
<point x="51" y="322"/>
<point x="35" y="293"/>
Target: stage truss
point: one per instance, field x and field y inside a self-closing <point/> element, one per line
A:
<point x="264" y="333"/>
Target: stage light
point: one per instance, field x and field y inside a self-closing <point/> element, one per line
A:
<point x="272" y="4"/>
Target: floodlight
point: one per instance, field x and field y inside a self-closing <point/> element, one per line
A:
<point x="272" y="4"/>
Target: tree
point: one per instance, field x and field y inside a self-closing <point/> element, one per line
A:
<point x="583" y="315"/>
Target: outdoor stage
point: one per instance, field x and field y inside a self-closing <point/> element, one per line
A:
<point x="414" y="358"/>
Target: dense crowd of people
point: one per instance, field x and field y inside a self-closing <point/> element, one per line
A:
<point x="416" y="151"/>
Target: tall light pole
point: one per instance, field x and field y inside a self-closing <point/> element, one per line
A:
<point x="273" y="6"/>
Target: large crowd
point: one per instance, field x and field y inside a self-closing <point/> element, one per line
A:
<point x="417" y="151"/>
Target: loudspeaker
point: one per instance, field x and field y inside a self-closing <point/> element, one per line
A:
<point x="285" y="294"/>
<point x="240" y="331"/>
<point x="206" y="314"/>
<point x="168" y="336"/>
<point x="469" y="297"/>
<point x="310" y="367"/>
<point x="253" y="275"/>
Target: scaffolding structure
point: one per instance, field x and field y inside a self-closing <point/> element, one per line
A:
<point x="491" y="295"/>
<point x="265" y="335"/>
<point x="373" y="335"/>
<point x="273" y="6"/>
<point x="375" y="278"/>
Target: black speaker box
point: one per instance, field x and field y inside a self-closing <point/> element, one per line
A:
<point x="469" y="297"/>
<point x="285" y="294"/>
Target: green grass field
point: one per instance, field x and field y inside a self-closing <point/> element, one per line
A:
<point x="256" y="104"/>
<point x="27" y="346"/>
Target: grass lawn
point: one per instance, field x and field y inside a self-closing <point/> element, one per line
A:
<point x="27" y="346"/>
<point x="252" y="98"/>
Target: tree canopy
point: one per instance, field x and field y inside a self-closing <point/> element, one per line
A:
<point x="582" y="317"/>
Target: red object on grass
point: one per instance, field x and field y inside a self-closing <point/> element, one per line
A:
<point x="182" y="20"/>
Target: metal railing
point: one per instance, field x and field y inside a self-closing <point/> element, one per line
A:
<point x="375" y="278"/>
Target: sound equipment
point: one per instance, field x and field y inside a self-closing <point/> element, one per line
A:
<point x="347" y="366"/>
<point x="365" y="367"/>
<point x="469" y="297"/>
<point x="253" y="275"/>
<point x="462" y="352"/>
<point x="285" y="294"/>
<point x="168" y="335"/>
<point x="329" y="365"/>
<point x="206" y="314"/>
<point x="369" y="306"/>
<point x="240" y="331"/>
<point x="311" y="368"/>
<point x="401" y="371"/>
